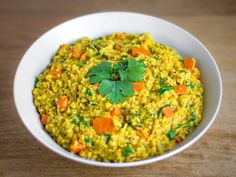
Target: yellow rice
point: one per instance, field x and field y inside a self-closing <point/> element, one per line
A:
<point x="141" y="112"/>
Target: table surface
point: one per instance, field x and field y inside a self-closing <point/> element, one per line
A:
<point x="211" y="21"/>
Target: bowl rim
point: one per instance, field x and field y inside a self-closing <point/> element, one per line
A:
<point x="123" y="164"/>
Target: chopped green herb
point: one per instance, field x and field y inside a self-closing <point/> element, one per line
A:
<point x="77" y="120"/>
<point x="165" y="88"/>
<point x="102" y="71"/>
<point x="191" y="86"/>
<point x="88" y="92"/>
<point x="159" y="113"/>
<point x="87" y="140"/>
<point x="53" y="103"/>
<point x="80" y="64"/>
<point x="104" y="55"/>
<point x="191" y="105"/>
<point x="127" y="151"/>
<point x="171" y="134"/>
<point x="193" y="117"/>
<point x="36" y="80"/>
<point x="107" y="138"/>
<point x="162" y="81"/>
<point x="187" y="124"/>
<point x="85" y="123"/>
<point x="183" y="71"/>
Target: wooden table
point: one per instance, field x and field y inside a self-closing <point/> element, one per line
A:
<point x="211" y="21"/>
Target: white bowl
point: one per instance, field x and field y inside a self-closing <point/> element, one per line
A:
<point x="39" y="55"/>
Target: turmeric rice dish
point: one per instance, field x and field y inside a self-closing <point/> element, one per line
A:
<point x="119" y="98"/>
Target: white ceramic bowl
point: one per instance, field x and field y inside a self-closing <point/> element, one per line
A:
<point x="38" y="56"/>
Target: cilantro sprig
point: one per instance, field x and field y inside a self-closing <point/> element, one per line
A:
<point x="115" y="82"/>
<point x="102" y="71"/>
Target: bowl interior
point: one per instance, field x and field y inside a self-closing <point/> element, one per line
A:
<point x="38" y="56"/>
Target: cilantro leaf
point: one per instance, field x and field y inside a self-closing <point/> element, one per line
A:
<point x="133" y="72"/>
<point x="116" y="91"/>
<point x="122" y="65"/>
<point x="100" y="72"/>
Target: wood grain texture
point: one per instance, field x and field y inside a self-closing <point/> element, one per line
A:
<point x="212" y="21"/>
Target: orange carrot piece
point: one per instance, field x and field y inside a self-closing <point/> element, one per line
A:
<point x="178" y="139"/>
<point x="142" y="134"/>
<point x="74" y="53"/>
<point x="180" y="89"/>
<point x="121" y="36"/>
<point x="189" y="63"/>
<point x="116" y="111"/>
<point x="62" y="103"/>
<point x="137" y="50"/>
<point x="77" y="146"/>
<point x="167" y="111"/>
<point x="102" y="125"/>
<point x="44" y="119"/>
<point x="138" y="86"/>
<point x="55" y="73"/>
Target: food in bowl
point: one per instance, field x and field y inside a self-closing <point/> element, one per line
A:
<point x="119" y="98"/>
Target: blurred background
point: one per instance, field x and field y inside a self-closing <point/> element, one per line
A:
<point x="213" y="22"/>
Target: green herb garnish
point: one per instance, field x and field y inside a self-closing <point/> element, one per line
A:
<point x="115" y="82"/>
<point x="183" y="71"/>
<point x="85" y="123"/>
<point x="107" y="138"/>
<point x="53" y="103"/>
<point x="80" y="64"/>
<point x="127" y="151"/>
<point x="36" y="80"/>
<point x="77" y="120"/>
<point x="164" y="89"/>
<point x="87" y="140"/>
<point x="171" y="134"/>
<point x="191" y="86"/>
<point x="116" y="91"/>
<point x="102" y="71"/>
<point x="187" y="124"/>
<point x="88" y="92"/>
<point x="131" y="70"/>
<point x="162" y="81"/>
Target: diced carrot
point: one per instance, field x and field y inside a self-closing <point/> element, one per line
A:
<point x="180" y="89"/>
<point x="117" y="47"/>
<point x="75" y="53"/>
<point x="62" y="103"/>
<point x="189" y="63"/>
<point x="167" y="111"/>
<point x="116" y="111"/>
<point x="102" y="125"/>
<point x="137" y="50"/>
<point x="178" y="139"/>
<point x="121" y="36"/>
<point x="55" y="73"/>
<point x="77" y="146"/>
<point x="138" y="86"/>
<point x="142" y="134"/>
<point x="44" y="119"/>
